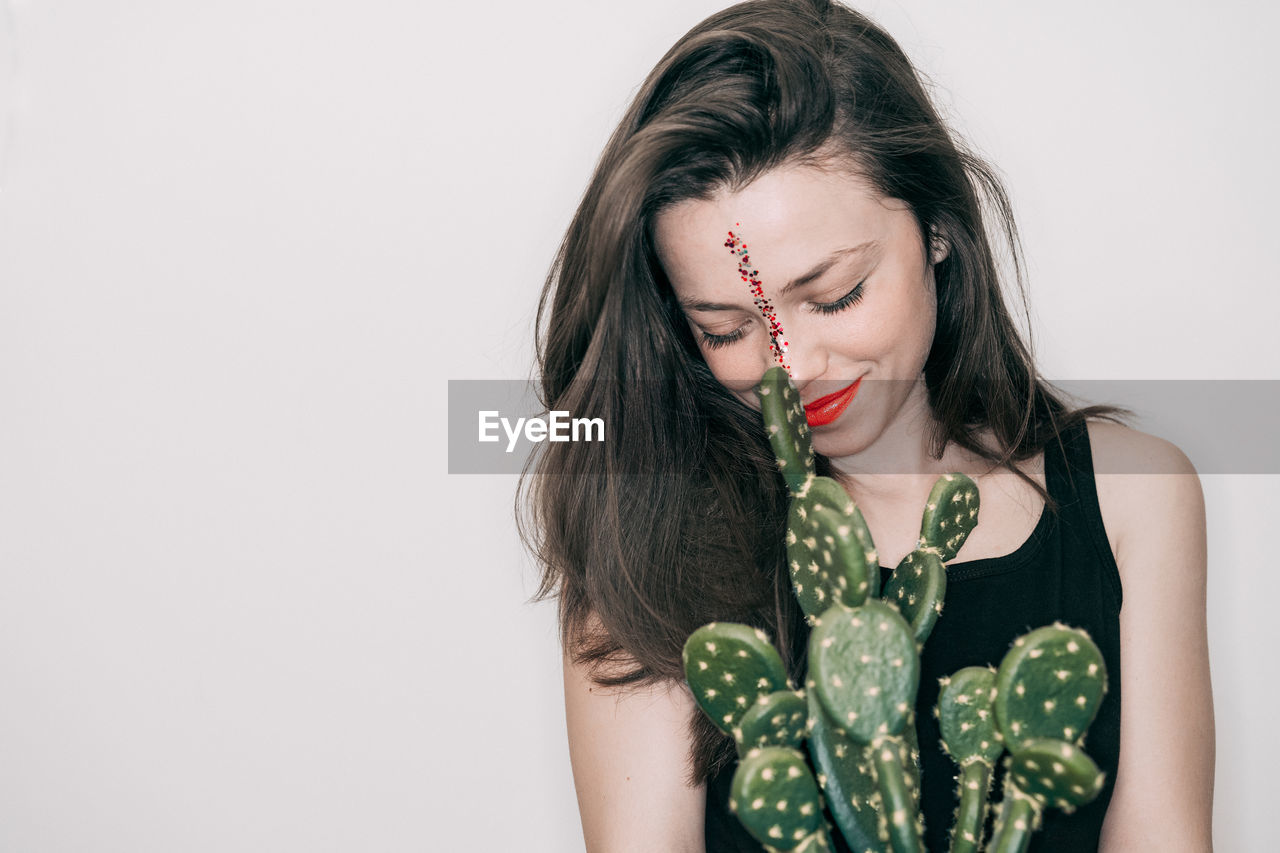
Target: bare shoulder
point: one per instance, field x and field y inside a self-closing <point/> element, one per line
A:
<point x="1122" y="449"/>
<point x="629" y="750"/>
<point x="1153" y="508"/>
<point x="1148" y="490"/>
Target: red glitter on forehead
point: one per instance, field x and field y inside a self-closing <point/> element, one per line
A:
<point x="750" y="275"/>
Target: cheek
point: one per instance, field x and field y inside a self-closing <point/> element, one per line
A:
<point x="900" y="329"/>
<point x="917" y="315"/>
<point x="733" y="367"/>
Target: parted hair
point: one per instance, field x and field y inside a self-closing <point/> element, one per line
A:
<point x="678" y="519"/>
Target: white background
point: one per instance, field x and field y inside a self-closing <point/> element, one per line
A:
<point x="243" y="245"/>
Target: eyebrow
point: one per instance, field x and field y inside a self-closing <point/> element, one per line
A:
<point x="819" y="270"/>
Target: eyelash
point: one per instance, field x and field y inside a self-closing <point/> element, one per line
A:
<point x="853" y="297"/>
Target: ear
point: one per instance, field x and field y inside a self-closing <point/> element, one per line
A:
<point x="939" y="248"/>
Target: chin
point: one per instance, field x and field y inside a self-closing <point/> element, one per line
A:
<point x="839" y="440"/>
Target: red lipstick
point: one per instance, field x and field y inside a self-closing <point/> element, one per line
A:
<point x="826" y="409"/>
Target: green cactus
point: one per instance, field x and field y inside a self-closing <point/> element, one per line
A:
<point x="1056" y="773"/>
<point x="918" y="584"/>
<point x="788" y="428"/>
<point x="776" y="798"/>
<point x="951" y="513"/>
<point x="729" y="667"/>
<point x="856" y="713"/>
<point x="1044" y="772"/>
<point x="911" y="763"/>
<point x="1050" y="685"/>
<point x="1048" y="690"/>
<point x="845" y="773"/>
<point x="970" y="736"/>
<point x="827" y="492"/>
<point x="1018" y="819"/>
<point x="866" y="671"/>
<point x="826" y="552"/>
<point x="780" y="718"/>
<point x="917" y="588"/>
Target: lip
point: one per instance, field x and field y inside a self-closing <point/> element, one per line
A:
<point x="824" y="410"/>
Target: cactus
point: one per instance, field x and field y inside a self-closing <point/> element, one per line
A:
<point x="856" y="713"/>
<point x="917" y="587"/>
<point x="833" y="561"/>
<point x="828" y="550"/>
<point x="1050" y="685"/>
<point x="971" y="738"/>
<point x="951" y="513"/>
<point x="788" y="429"/>
<point x="844" y="770"/>
<point x="780" y="718"/>
<point x="1044" y="772"/>
<point x="729" y="667"/>
<point x="776" y="798"/>
<point x="866" y="671"/>
<point x="1056" y="773"/>
<point x="918" y="584"/>
<point x="1048" y="690"/>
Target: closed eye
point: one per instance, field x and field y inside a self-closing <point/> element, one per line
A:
<point x="717" y="341"/>
<point x="853" y="297"/>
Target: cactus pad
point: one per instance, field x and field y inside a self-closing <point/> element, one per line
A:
<point x="1049" y="685"/>
<point x="774" y="794"/>
<point x="827" y="491"/>
<point x="951" y="513"/>
<point x="1056" y="773"/>
<point x="788" y="428"/>
<point x="899" y="816"/>
<point x="967" y="719"/>
<point x="829" y="549"/>
<point x="865" y="668"/>
<point x="971" y="738"/>
<point x="840" y="557"/>
<point x="844" y="769"/>
<point x="729" y="666"/>
<point x="917" y="588"/>
<point x="779" y="719"/>
<point x="1018" y="818"/>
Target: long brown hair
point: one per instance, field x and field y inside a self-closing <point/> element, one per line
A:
<point x="678" y="519"/>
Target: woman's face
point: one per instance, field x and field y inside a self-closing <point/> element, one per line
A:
<point x="867" y="315"/>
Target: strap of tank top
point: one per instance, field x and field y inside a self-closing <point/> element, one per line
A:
<point x="1070" y="479"/>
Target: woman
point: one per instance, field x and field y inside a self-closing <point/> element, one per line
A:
<point x="800" y="130"/>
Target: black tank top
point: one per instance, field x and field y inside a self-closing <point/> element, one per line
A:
<point x="1065" y="571"/>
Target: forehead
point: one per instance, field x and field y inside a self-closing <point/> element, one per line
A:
<point x="788" y="218"/>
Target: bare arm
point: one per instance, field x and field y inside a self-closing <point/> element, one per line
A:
<point x="1163" y="797"/>
<point x="629" y="752"/>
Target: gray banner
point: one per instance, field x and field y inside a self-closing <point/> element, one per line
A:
<point x="1224" y="426"/>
